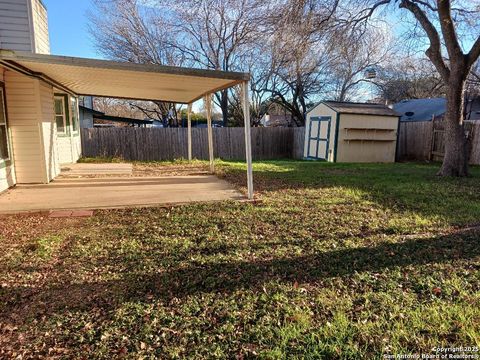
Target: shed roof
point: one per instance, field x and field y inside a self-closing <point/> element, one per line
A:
<point x="360" y="108"/>
<point x="121" y="79"/>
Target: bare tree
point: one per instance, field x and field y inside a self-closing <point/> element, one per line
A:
<point x="448" y="26"/>
<point x="216" y="34"/>
<point x="409" y="78"/>
<point x="352" y="55"/>
<point x="123" y="31"/>
<point x="298" y="55"/>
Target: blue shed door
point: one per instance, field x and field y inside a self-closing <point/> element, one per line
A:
<point x="318" y="138"/>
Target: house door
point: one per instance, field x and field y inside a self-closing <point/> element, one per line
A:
<point x="318" y="138"/>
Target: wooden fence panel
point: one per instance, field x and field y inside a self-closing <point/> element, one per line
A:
<point x="149" y="144"/>
<point x="298" y="142"/>
<point x="475" y="152"/>
<point x="415" y="140"/>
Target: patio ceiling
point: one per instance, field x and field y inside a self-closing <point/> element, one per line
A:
<point x="120" y="79"/>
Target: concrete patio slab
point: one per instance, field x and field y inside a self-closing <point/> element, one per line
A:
<point x="84" y="169"/>
<point x="115" y="192"/>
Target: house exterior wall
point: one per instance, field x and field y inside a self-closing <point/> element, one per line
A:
<point x="48" y="131"/>
<point x="7" y="169"/>
<point x="15" y="27"/>
<point x="23" y="105"/>
<point x="367" y="138"/>
<point x="40" y="27"/>
<point x="30" y="111"/>
<point x="69" y="149"/>
<point x="24" y="26"/>
<point x="318" y="111"/>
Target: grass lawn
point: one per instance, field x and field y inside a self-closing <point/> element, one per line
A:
<point x="336" y="262"/>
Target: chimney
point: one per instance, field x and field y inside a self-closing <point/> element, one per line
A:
<point x="24" y="26"/>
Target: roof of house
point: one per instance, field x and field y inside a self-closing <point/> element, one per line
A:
<point x="89" y="110"/>
<point x="420" y="109"/>
<point x="107" y="78"/>
<point x="343" y="107"/>
<point x="123" y="119"/>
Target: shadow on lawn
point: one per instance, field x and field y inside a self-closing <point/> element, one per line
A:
<point x="22" y="303"/>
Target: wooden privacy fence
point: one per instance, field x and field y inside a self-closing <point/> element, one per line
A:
<point x="425" y="140"/>
<point x="150" y="144"/>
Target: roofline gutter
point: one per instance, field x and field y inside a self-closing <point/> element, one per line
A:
<point x="8" y="57"/>
<point x="117" y="65"/>
<point x="25" y="71"/>
<point x="349" y="112"/>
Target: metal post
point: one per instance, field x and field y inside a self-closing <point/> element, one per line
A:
<point x="189" y="131"/>
<point x="208" y="107"/>
<point x="248" y="138"/>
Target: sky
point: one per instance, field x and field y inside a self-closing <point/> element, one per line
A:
<point x="68" y="27"/>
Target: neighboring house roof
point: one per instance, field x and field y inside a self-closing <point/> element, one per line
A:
<point x="123" y="120"/>
<point x="98" y="115"/>
<point x="420" y="109"/>
<point x="360" y="108"/>
<point x="92" y="111"/>
<point x="275" y="120"/>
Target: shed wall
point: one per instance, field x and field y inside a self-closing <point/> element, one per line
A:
<point x="367" y="138"/>
<point x="321" y="110"/>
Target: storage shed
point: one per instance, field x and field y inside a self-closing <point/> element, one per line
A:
<point x="351" y="132"/>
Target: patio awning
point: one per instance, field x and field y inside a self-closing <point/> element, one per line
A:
<point x="120" y="79"/>
<point x="114" y="79"/>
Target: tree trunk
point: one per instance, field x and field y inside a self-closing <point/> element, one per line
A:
<point x="455" y="161"/>
<point x="224" y="107"/>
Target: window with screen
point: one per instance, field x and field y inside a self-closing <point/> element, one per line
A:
<point x="4" y="154"/>
<point x="61" y="117"/>
<point x="74" y="110"/>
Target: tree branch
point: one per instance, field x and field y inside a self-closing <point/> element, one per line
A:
<point x="434" y="52"/>
<point x="474" y="53"/>
<point x="448" y="30"/>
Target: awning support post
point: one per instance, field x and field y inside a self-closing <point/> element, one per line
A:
<point x="208" y="107"/>
<point x="189" y="131"/>
<point x="248" y="137"/>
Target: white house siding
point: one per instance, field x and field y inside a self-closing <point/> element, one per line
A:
<point x="27" y="127"/>
<point x="69" y="149"/>
<point x="77" y="147"/>
<point x="40" y="27"/>
<point x="48" y="129"/>
<point x="7" y="176"/>
<point x="318" y="111"/>
<point x="15" y="25"/>
<point x="7" y="169"/>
